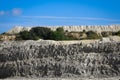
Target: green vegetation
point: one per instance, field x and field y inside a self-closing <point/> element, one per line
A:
<point x="116" y="33"/>
<point x="25" y="35"/>
<point x="41" y="32"/>
<point x="106" y="34"/>
<point x="47" y="34"/>
<point x="92" y="35"/>
<point x="59" y="34"/>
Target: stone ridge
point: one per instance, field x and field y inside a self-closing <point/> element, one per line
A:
<point x="112" y="28"/>
<point x="33" y="59"/>
<point x="18" y="29"/>
<point x="99" y="29"/>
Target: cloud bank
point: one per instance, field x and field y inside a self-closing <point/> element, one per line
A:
<point x="14" y="12"/>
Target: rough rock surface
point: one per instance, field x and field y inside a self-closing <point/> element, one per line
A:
<point x="99" y="29"/>
<point x="96" y="28"/>
<point x="98" y="59"/>
<point x="18" y="29"/>
<point x="23" y="78"/>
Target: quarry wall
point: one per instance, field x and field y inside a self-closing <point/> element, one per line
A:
<point x="40" y="59"/>
<point x="99" y="28"/>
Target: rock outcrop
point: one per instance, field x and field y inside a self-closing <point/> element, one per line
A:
<point x="18" y="29"/>
<point x="40" y="59"/>
<point x="96" y="28"/>
<point x="99" y="29"/>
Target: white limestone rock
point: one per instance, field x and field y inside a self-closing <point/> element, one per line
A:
<point x="18" y="29"/>
<point x="36" y="59"/>
<point x="96" y="28"/>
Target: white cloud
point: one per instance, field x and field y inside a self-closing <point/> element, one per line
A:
<point x="75" y="18"/>
<point x="16" y="11"/>
<point x="2" y="12"/>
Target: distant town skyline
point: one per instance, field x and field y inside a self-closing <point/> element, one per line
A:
<point x="58" y="12"/>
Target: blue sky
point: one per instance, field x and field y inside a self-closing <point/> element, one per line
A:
<point x="58" y="12"/>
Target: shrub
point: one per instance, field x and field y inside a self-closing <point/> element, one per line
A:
<point x="41" y="32"/>
<point x="57" y="35"/>
<point x="47" y="34"/>
<point x="106" y="34"/>
<point x="117" y="33"/>
<point x="92" y="35"/>
<point x="25" y="35"/>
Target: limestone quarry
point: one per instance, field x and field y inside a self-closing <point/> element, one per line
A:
<point x="55" y="59"/>
<point x="96" y="28"/>
<point x="82" y="59"/>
